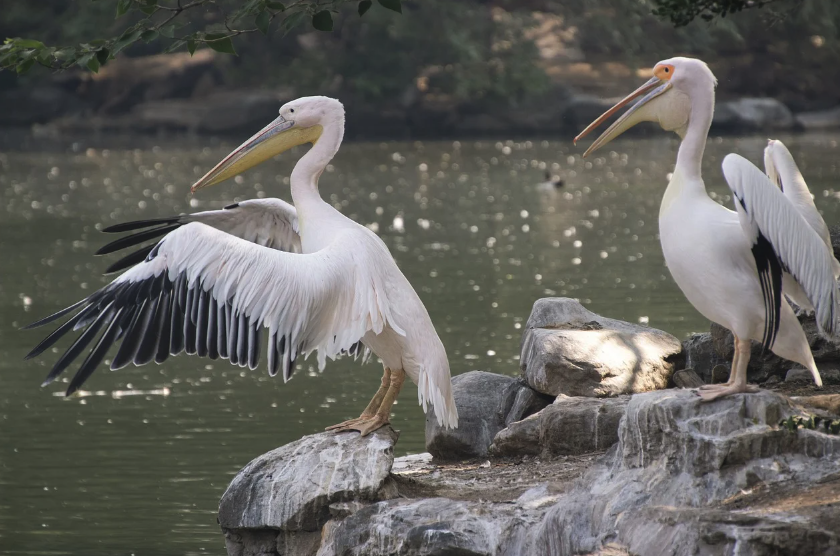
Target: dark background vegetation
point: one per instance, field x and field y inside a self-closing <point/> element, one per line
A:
<point x="439" y="57"/>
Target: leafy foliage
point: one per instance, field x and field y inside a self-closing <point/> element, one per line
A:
<point x="813" y="422"/>
<point x="173" y="24"/>
<point x="683" y="12"/>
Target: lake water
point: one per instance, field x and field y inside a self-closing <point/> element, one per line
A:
<point x="128" y="470"/>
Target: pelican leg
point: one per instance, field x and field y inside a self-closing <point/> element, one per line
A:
<point x="738" y="382"/>
<point x="371" y="408"/>
<point x="383" y="414"/>
<point x="731" y="380"/>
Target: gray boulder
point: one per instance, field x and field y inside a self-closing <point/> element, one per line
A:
<point x="682" y="466"/>
<point x="567" y="349"/>
<point x="821" y="119"/>
<point x="270" y="493"/>
<point x="486" y="404"/>
<point x="700" y="355"/>
<point x="430" y="527"/>
<point x="752" y="114"/>
<point x="569" y="426"/>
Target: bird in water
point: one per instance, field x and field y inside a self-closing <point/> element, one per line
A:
<point x="733" y="266"/>
<point x="311" y="277"/>
<point x="551" y="183"/>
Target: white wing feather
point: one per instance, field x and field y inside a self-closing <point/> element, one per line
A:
<point x="269" y="222"/>
<point x="763" y="209"/>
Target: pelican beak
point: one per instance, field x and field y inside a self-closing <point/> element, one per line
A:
<point x="275" y="138"/>
<point x="642" y="111"/>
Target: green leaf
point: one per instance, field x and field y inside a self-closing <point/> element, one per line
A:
<point x="262" y="21"/>
<point x="292" y="21"/>
<point x="275" y="6"/>
<point x="394" y="5"/>
<point x="220" y="43"/>
<point x="322" y="21"/>
<point x="102" y="55"/>
<point x="191" y="46"/>
<point x="364" y="6"/>
<point x="148" y="9"/>
<point x="24" y="66"/>
<point x="168" y="31"/>
<point x="27" y="43"/>
<point x="130" y="36"/>
<point x="93" y="65"/>
<point x="122" y="7"/>
<point x="149" y="36"/>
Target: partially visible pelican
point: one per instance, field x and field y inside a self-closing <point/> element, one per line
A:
<point x="730" y="265"/>
<point x="782" y="170"/>
<point x="311" y="276"/>
<point x="551" y="183"/>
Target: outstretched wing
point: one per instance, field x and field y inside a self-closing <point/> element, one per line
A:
<point x="204" y="291"/>
<point x="782" y="242"/>
<point x="269" y="222"/>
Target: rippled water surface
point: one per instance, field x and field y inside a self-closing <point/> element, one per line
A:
<point x="137" y="465"/>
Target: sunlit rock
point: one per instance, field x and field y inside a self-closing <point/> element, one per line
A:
<point x="567" y="349"/>
<point x="486" y="403"/>
<point x="569" y="426"/>
<point x="710" y="475"/>
<point x="291" y="488"/>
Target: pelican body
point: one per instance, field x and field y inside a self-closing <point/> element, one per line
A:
<point x="731" y="265"/>
<point x="315" y="279"/>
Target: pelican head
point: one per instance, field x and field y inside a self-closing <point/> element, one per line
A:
<point x="300" y="121"/>
<point x="666" y="98"/>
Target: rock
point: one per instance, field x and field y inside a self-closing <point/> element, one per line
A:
<point x="430" y="527"/>
<point x="752" y="114"/>
<point x="216" y="113"/>
<point x="798" y="374"/>
<point x="701" y="356"/>
<point x="682" y="468"/>
<point x="567" y="349"/>
<point x="35" y="105"/>
<point x="269" y="492"/>
<point x="569" y="426"/>
<point x="720" y="374"/>
<point x="687" y="378"/>
<point x="821" y="119"/>
<point x="827" y="402"/>
<point x="486" y="403"/>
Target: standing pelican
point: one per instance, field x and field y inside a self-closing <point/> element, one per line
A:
<point x="314" y="278"/>
<point x="730" y="265"/>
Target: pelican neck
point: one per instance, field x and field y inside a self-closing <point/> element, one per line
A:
<point x="308" y="170"/>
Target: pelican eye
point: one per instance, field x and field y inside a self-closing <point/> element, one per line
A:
<point x="292" y="110"/>
<point x="664" y="71"/>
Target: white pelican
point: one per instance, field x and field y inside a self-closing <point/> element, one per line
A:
<point x="730" y="265"/>
<point x="310" y="275"/>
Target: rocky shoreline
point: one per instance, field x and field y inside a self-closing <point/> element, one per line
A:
<point x="571" y="458"/>
<point x="183" y="94"/>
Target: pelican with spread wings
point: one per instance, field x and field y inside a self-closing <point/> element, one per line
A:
<point x="734" y="266"/>
<point x="264" y="276"/>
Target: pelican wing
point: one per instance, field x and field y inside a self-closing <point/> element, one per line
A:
<point x="782" y="241"/>
<point x="269" y="222"/>
<point x="204" y="291"/>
